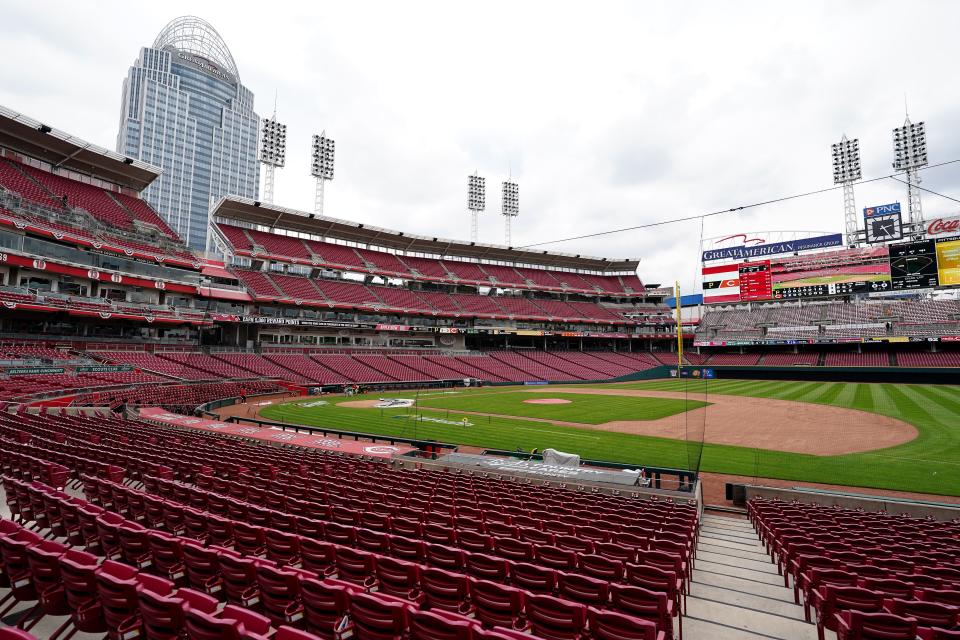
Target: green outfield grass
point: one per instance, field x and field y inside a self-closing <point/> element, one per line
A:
<point x="929" y="464"/>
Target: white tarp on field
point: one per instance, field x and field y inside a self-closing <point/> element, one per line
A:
<point x="394" y="403"/>
<point x="556" y="458"/>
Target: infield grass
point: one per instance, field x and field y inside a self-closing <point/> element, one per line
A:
<point x="928" y="464"/>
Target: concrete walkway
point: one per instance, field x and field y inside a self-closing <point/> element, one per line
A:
<point x="737" y="593"/>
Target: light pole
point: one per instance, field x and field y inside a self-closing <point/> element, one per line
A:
<point x="909" y="154"/>
<point x="846" y="171"/>
<point x="273" y="152"/>
<point x="321" y="166"/>
<point x="509" y="206"/>
<point x="476" y="201"/>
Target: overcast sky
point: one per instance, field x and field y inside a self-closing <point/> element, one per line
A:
<point x="608" y="114"/>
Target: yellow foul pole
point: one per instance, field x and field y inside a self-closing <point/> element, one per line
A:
<point x="676" y="296"/>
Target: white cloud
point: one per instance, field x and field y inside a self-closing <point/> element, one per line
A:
<point x="609" y="114"/>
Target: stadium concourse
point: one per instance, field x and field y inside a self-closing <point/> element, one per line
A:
<point x="126" y="514"/>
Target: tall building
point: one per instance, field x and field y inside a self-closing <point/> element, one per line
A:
<point x="185" y="111"/>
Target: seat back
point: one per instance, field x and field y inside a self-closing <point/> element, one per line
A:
<point x="377" y="618"/>
<point x="610" y="625"/>
<point x="443" y="589"/>
<point x="584" y="589"/>
<point x="556" y="619"/>
<point x="879" y="626"/>
<point x="325" y="604"/>
<point x="496" y="604"/>
<point x="438" y="625"/>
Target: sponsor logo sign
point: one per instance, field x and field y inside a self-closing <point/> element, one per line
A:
<point x="743" y="252"/>
<point x="944" y="227"/>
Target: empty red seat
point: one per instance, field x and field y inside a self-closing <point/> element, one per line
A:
<point x="610" y="625"/>
<point x="833" y="599"/>
<point x="648" y="605"/>
<point x="239" y="576"/>
<point x="376" y="617"/>
<point x="163" y="615"/>
<point x="398" y="578"/>
<point x="601" y="567"/>
<point x="584" y="589"/>
<point x="445" y="590"/>
<point x="325" y="605"/>
<point x="497" y="604"/>
<point x="485" y="567"/>
<point x="556" y="619"/>
<point x="439" y="625"/>
<point x="533" y="577"/>
<point x="354" y="565"/>
<point x="78" y="572"/>
<point x="859" y="625"/>
<point x="232" y="623"/>
<point x="927" y="614"/>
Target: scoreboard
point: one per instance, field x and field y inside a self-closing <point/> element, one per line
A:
<point x="913" y="265"/>
<point x="755" y="281"/>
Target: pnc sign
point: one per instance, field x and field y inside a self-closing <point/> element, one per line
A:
<point x="944" y="227"/>
<point x="881" y="210"/>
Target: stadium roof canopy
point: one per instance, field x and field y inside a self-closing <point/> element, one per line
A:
<point x="275" y="217"/>
<point x="25" y="135"/>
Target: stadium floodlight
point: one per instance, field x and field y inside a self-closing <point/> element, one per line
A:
<point x="476" y="201"/>
<point x="846" y="171"/>
<point x="509" y="206"/>
<point x="909" y="154"/>
<point x="273" y="152"/>
<point x="321" y="166"/>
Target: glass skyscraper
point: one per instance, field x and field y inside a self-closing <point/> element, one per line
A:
<point x="185" y="111"/>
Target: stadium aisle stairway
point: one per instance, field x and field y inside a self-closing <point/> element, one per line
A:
<point x="736" y="593"/>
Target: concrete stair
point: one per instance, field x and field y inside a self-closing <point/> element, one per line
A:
<point x="737" y="593"/>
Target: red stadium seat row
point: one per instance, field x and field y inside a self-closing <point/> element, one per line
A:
<point x="446" y="270"/>
<point x="865" y="573"/>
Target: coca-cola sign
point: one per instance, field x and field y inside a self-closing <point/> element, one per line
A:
<point x="944" y="227"/>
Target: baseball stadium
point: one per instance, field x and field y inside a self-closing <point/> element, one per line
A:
<point x="316" y="428"/>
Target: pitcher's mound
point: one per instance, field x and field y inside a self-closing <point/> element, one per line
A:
<point x="547" y="401"/>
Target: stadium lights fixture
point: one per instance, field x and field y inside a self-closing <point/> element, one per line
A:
<point x="321" y="166"/>
<point x="509" y="206"/>
<point x="476" y="201"/>
<point x="273" y="152"/>
<point x="909" y="154"/>
<point x="846" y="171"/>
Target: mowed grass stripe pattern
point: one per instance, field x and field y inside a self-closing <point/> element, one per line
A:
<point x="491" y="432"/>
<point x="585" y="409"/>
<point x="928" y="464"/>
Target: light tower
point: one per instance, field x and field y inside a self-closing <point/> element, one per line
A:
<point x="909" y="154"/>
<point x="846" y="171"/>
<point x="273" y="152"/>
<point x="321" y="166"/>
<point x="509" y="207"/>
<point x="476" y="201"/>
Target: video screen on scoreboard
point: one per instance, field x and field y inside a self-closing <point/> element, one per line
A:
<point x="913" y="265"/>
<point x="948" y="262"/>
<point x="840" y="275"/>
<point x="755" y="281"/>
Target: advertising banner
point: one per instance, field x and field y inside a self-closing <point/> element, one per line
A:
<point x="948" y="262"/>
<point x="33" y="371"/>
<point x="943" y="227"/>
<point x="721" y="284"/>
<point x="762" y="250"/>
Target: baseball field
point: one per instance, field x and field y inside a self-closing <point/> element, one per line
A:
<point x="882" y="436"/>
